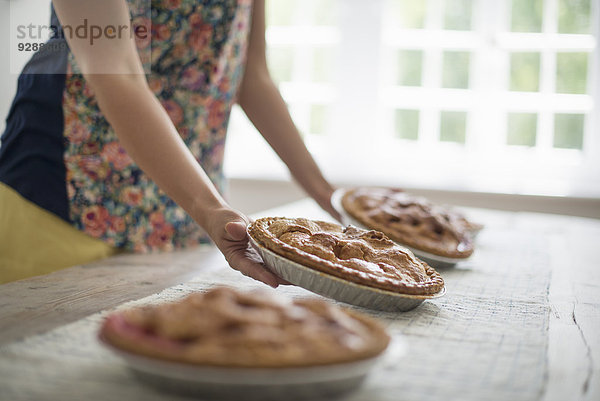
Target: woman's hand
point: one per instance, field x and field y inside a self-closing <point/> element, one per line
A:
<point x="227" y="228"/>
<point x="323" y="198"/>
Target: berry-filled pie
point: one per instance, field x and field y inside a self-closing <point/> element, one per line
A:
<point x="411" y="220"/>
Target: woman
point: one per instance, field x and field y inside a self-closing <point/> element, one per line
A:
<point x="134" y="161"/>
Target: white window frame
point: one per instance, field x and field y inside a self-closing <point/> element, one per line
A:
<point x="360" y="146"/>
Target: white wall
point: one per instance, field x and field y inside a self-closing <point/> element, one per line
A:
<point x="8" y="81"/>
<point x="251" y="196"/>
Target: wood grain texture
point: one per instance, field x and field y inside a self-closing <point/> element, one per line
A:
<point x="42" y="303"/>
<point x="574" y="296"/>
<point x="558" y="355"/>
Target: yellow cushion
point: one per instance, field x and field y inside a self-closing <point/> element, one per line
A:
<point x="34" y="241"/>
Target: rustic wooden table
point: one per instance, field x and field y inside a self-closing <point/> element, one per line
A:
<point x="520" y="321"/>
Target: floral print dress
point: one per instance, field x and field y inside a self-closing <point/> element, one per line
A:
<point x="196" y="56"/>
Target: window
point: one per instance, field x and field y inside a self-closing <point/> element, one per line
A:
<point x="488" y="95"/>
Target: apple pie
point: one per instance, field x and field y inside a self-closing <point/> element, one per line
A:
<point x="360" y="256"/>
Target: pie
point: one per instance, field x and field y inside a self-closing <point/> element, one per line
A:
<point x="360" y="256"/>
<point x="227" y="328"/>
<point x="412" y="221"/>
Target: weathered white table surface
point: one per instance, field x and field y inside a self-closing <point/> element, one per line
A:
<point x="520" y="321"/>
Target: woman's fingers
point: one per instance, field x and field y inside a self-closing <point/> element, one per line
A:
<point x="232" y="240"/>
<point x="236" y="230"/>
<point x="283" y="282"/>
<point x="249" y="267"/>
<point x="328" y="207"/>
<point x="245" y="259"/>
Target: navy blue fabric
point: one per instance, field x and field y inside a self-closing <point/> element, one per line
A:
<point x="31" y="153"/>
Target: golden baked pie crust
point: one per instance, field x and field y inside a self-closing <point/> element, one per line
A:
<point x="417" y="221"/>
<point x="363" y="257"/>
<point x="227" y="328"/>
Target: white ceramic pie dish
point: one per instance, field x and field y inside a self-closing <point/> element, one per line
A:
<point x="427" y="257"/>
<point x="337" y="288"/>
<point x="220" y="383"/>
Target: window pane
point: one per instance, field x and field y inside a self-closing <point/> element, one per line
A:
<point x="410" y="63"/>
<point x="409" y="13"/>
<point x="456" y="70"/>
<point x="280" y="61"/>
<point x="323" y="60"/>
<point x="457" y="15"/>
<point x="453" y="126"/>
<point x="407" y="124"/>
<point x="280" y="12"/>
<point x="526" y="16"/>
<point x="319" y="114"/>
<point x="574" y="16"/>
<point x="568" y="131"/>
<point x="571" y="72"/>
<point x="522" y="129"/>
<point x="326" y="12"/>
<point x="525" y="72"/>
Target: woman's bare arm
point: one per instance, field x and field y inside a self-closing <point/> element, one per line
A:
<point x="113" y="69"/>
<point x="261" y="101"/>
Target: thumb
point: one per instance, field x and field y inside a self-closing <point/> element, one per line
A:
<point x="236" y="230"/>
